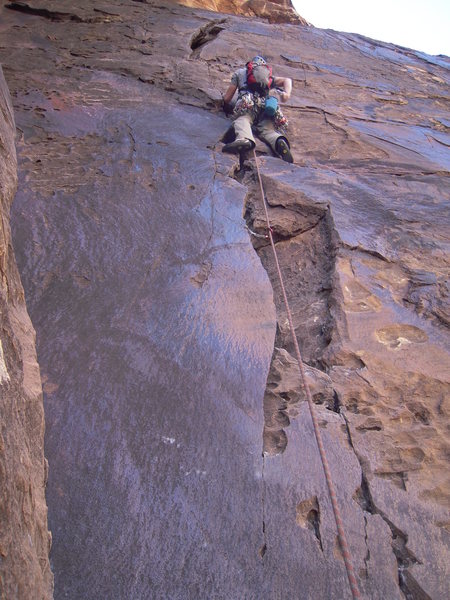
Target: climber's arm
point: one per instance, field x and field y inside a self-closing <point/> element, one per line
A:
<point x="286" y="84"/>
<point x="228" y="97"/>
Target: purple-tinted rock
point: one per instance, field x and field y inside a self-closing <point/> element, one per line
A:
<point x="155" y="318"/>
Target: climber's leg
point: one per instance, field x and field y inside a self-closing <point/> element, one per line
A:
<point x="279" y="143"/>
<point x="244" y="136"/>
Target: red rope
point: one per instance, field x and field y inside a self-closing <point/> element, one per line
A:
<point x="337" y="515"/>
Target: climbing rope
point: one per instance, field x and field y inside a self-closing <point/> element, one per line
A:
<point x="337" y="515"/>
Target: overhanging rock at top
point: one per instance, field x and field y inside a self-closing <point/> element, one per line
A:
<point x="275" y="11"/>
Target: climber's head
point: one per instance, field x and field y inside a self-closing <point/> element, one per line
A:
<point x="258" y="60"/>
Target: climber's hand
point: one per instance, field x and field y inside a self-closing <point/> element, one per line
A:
<point x="227" y="108"/>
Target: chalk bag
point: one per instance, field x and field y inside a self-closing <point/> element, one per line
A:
<point x="271" y="106"/>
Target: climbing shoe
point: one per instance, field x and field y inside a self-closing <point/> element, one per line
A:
<point x="283" y="150"/>
<point x="238" y="146"/>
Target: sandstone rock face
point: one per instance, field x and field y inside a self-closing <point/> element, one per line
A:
<point x="24" y="539"/>
<point x="275" y="11"/>
<point x="157" y="333"/>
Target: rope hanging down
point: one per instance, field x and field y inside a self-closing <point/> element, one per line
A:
<point x="337" y="515"/>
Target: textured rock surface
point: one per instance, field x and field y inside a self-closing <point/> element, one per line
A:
<point x="155" y="318"/>
<point x="275" y="11"/>
<point x="24" y="539"/>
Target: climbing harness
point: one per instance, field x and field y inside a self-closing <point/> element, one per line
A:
<point x="337" y="515"/>
<point x="255" y="105"/>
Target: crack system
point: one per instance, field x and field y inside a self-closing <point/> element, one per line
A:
<point x="277" y="413"/>
<point x="280" y="401"/>
<point x="399" y="540"/>
<point x="302" y="235"/>
<point x="263" y="549"/>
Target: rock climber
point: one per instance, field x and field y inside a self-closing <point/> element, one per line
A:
<point x="256" y="109"/>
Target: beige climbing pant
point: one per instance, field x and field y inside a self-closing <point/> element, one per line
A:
<point x="265" y="130"/>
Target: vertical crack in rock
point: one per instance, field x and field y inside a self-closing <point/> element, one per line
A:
<point x="304" y="241"/>
<point x="336" y="403"/>
<point x="263" y="549"/>
<point x="367" y="556"/>
<point x="405" y="558"/>
<point x="302" y="235"/>
<point x="303" y="238"/>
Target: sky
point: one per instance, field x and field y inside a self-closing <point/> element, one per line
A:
<point x="418" y="24"/>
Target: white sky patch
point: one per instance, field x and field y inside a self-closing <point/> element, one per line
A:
<point x="419" y="25"/>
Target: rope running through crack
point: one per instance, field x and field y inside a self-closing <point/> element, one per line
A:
<point x="337" y="514"/>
